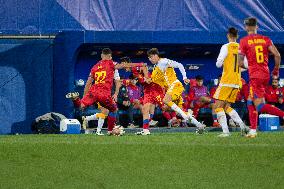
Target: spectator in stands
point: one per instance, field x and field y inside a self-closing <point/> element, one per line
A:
<point x="198" y="97"/>
<point x="134" y="94"/>
<point x="273" y="94"/>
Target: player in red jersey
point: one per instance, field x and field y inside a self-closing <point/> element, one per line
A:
<point x="256" y="49"/>
<point x="99" y="85"/>
<point x="153" y="95"/>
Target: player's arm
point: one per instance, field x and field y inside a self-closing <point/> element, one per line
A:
<point x="241" y="54"/>
<point x="277" y="59"/>
<point x="129" y="65"/>
<point x="117" y="85"/>
<point x="178" y="65"/>
<point x="88" y="84"/>
<point x="222" y="56"/>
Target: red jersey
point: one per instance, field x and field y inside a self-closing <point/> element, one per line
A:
<point x="255" y="48"/>
<point x="103" y="74"/>
<point x="272" y="94"/>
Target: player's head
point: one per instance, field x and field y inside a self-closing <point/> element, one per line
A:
<point x="126" y="59"/>
<point x="251" y="24"/>
<point x="106" y="54"/>
<point x="199" y="80"/>
<point x="274" y="83"/>
<point x="132" y="79"/>
<point x="153" y="55"/>
<point x="232" y="34"/>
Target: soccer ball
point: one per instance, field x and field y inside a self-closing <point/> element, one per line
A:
<point x="118" y="131"/>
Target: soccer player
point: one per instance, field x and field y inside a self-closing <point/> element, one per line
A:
<point x="99" y="85"/>
<point x="165" y="76"/>
<point x="256" y="48"/>
<point x="153" y="95"/>
<point x="229" y="84"/>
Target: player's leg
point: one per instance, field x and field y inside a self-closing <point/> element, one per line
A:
<point x="151" y="115"/>
<point x="236" y="118"/>
<point x="221" y="116"/>
<point x="108" y="103"/>
<point x="146" y="117"/>
<point x="74" y="96"/>
<point x="168" y="100"/>
<point x="221" y="95"/>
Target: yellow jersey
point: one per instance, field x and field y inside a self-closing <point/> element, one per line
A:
<point x="231" y="76"/>
<point x="158" y="77"/>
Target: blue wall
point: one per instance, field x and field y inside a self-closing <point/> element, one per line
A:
<point x="26" y="79"/>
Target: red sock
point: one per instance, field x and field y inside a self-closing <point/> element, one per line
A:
<point x="173" y="114"/>
<point x="111" y="122"/>
<point x="195" y="111"/>
<point x="272" y="110"/>
<point x="146" y="124"/>
<point x="77" y="102"/>
<point x="253" y="116"/>
<point x="167" y="115"/>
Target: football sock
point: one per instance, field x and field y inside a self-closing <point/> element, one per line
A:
<point x="111" y="119"/>
<point x="177" y="109"/>
<point x="167" y="115"/>
<point x="151" y="116"/>
<point x="100" y="124"/>
<point x="235" y="116"/>
<point x="253" y="115"/>
<point x="146" y="124"/>
<point x="222" y="119"/>
<point x="173" y="114"/>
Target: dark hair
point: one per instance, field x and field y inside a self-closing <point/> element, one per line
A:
<point x="131" y="76"/>
<point x="233" y="32"/>
<point x="153" y="51"/>
<point x="250" y="21"/>
<point x="199" y="77"/>
<point x="106" y="51"/>
<point x="125" y="59"/>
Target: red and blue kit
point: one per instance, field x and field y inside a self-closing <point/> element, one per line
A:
<point x="103" y="75"/>
<point x="255" y="48"/>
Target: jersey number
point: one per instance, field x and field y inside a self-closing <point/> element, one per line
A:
<point x="259" y="54"/>
<point x="236" y="66"/>
<point x="100" y="77"/>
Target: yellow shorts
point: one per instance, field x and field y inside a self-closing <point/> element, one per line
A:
<point x="228" y="94"/>
<point x="175" y="91"/>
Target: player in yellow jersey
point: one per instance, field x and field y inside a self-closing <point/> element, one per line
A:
<point x="165" y="75"/>
<point x="230" y="83"/>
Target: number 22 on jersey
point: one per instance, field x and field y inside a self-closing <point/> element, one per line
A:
<point x="100" y="77"/>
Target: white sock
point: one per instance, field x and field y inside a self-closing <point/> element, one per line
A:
<point x="146" y="130"/>
<point x="222" y="119"/>
<point x="179" y="111"/>
<point x="100" y="124"/>
<point x="194" y="121"/>
<point x="92" y="117"/>
<point x="252" y="131"/>
<point x="235" y="116"/>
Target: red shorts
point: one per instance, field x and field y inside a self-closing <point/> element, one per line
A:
<point x="154" y="96"/>
<point x="257" y="87"/>
<point x="99" y="97"/>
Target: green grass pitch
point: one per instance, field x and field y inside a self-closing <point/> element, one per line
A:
<point x="164" y="160"/>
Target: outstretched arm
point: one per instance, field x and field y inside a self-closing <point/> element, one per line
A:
<point x="178" y="65"/>
<point x="277" y="59"/>
<point x="129" y="65"/>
